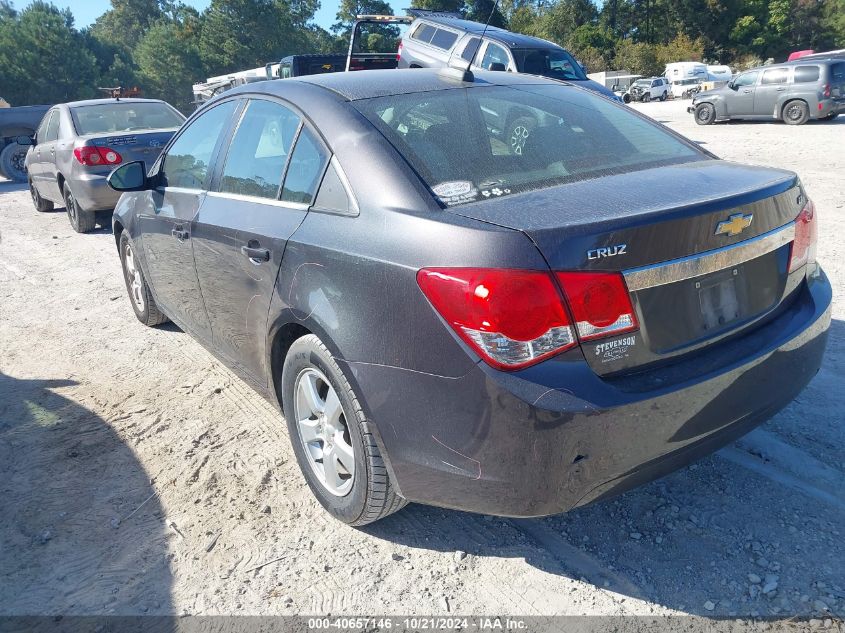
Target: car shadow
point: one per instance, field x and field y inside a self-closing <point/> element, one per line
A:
<point x="731" y="535"/>
<point x="9" y="186"/>
<point x="82" y="524"/>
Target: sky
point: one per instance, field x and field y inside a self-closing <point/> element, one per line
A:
<point x="86" y="11"/>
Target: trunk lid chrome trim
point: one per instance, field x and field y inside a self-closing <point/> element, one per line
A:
<point x="708" y="262"/>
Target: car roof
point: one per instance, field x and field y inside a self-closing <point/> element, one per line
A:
<point x="89" y="102"/>
<point x="366" y="84"/>
<point x="508" y="38"/>
<point x="803" y="61"/>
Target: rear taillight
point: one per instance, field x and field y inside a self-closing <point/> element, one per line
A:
<point x="91" y="156"/>
<point x="512" y="318"/>
<point x="826" y="90"/>
<point x="806" y="235"/>
<point x="515" y="318"/>
<point x="599" y="303"/>
<point x="399" y="52"/>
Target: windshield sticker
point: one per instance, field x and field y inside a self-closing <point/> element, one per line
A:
<point x="495" y="191"/>
<point x="455" y="192"/>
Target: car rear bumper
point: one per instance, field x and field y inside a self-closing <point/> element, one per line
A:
<point x="831" y="106"/>
<point x="92" y="192"/>
<point x="555" y="436"/>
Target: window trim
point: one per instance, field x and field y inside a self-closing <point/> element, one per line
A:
<point x="344" y="180"/>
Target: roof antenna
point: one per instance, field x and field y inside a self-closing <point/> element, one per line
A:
<point x="480" y="41"/>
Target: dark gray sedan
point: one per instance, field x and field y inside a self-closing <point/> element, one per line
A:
<point x="77" y="145"/>
<point x="447" y="321"/>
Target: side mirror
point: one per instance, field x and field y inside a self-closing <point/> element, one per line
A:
<point x="497" y="66"/>
<point x="129" y="177"/>
<point x="731" y="85"/>
<point x="25" y="140"/>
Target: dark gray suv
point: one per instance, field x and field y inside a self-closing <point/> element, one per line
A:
<point x="794" y="92"/>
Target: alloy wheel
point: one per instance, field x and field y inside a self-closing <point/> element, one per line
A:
<point x="323" y="432"/>
<point x="133" y="276"/>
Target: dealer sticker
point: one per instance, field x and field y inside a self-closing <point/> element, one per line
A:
<point x="615" y="350"/>
<point x="455" y="192"/>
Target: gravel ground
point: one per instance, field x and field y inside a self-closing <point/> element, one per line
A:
<point x="139" y="476"/>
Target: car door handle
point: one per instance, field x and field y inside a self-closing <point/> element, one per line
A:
<point x="780" y="89"/>
<point x="180" y="234"/>
<point x="256" y="254"/>
<point x="746" y="92"/>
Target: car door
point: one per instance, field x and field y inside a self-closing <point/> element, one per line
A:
<point x="741" y="101"/>
<point x="49" y="182"/>
<point x="58" y="136"/>
<point x="773" y="85"/>
<point x="184" y="172"/>
<point x="35" y="162"/>
<point x="272" y="169"/>
<point x="494" y="54"/>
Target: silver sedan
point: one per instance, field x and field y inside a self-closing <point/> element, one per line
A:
<point x="78" y="144"/>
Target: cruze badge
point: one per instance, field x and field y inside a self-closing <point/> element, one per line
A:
<point x="734" y="225"/>
<point x="607" y="251"/>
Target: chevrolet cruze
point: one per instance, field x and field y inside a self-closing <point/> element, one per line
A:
<point x="447" y="321"/>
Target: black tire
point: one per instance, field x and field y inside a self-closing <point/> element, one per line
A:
<point x="646" y="97"/>
<point x="626" y="98"/>
<point x="81" y="220"/>
<point x="12" y="163"/>
<point x="518" y="132"/>
<point x="705" y="113"/>
<point x="372" y="495"/>
<point x="796" y="112"/>
<point x="148" y="313"/>
<point x="41" y="205"/>
<point x="663" y="97"/>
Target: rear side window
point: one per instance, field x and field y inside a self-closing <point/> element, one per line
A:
<point x="774" y="76"/>
<point x="424" y="33"/>
<point x="187" y="161"/>
<point x="307" y="164"/>
<point x="444" y="39"/>
<point x="259" y="150"/>
<point x="837" y="72"/>
<point x="471" y="49"/>
<point x="806" y="74"/>
<point x="472" y="144"/>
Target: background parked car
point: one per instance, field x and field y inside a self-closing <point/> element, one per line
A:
<point x="793" y="92"/>
<point x="437" y="38"/>
<point x="15" y="122"/>
<point x="77" y="144"/>
<point x="649" y="89"/>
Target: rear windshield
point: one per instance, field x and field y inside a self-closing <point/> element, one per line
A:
<point x="124" y="117"/>
<point x="548" y="62"/>
<point x="476" y="143"/>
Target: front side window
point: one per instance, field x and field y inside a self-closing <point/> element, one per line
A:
<point x="775" y="76"/>
<point x="187" y="161"/>
<point x="747" y="79"/>
<point x="494" y="55"/>
<point x="259" y="150"/>
<point x="307" y="164"/>
<point x="469" y="144"/>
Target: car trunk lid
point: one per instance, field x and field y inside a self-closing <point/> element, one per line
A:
<point x="143" y="145"/>
<point x="703" y="247"/>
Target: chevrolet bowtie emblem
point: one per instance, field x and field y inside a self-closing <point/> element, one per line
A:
<point x="734" y="225"/>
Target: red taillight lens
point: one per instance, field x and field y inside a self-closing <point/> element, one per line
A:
<point x="91" y="155"/>
<point x="826" y="90"/>
<point x="599" y="302"/>
<point x="806" y="235"/>
<point x="399" y="52"/>
<point x="512" y="318"/>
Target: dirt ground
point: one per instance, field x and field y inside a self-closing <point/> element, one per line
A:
<point x="139" y="476"/>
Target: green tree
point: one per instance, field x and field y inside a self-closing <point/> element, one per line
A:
<point x="833" y="23"/>
<point x="456" y="6"/>
<point x="43" y="59"/>
<point x="169" y="64"/>
<point x="348" y="9"/>
<point x="484" y="10"/>
<point x="637" y="57"/>
<point x="127" y="21"/>
<point x="559" y="22"/>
